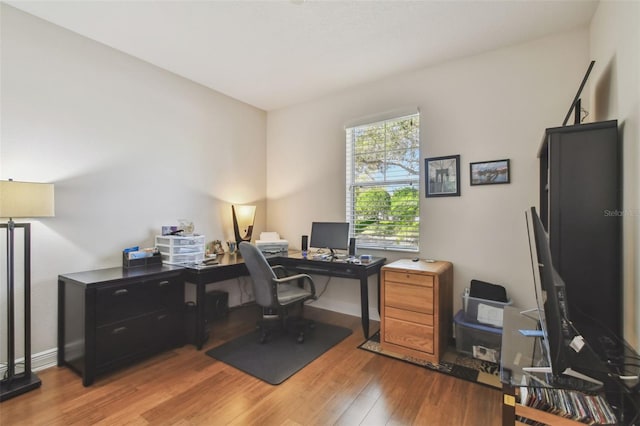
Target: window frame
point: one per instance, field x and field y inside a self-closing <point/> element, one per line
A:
<point x="412" y="180"/>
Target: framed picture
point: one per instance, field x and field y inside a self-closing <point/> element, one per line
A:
<point x="490" y="172"/>
<point x="442" y="175"/>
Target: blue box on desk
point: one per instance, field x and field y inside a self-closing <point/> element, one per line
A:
<point x="479" y="341"/>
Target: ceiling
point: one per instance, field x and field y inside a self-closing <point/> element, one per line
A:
<point x="273" y="54"/>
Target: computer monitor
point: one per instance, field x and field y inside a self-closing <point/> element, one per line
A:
<point x="564" y="348"/>
<point x="330" y="235"/>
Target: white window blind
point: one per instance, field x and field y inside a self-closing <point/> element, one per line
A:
<point x="383" y="183"/>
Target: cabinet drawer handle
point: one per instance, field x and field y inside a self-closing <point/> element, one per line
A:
<point x="161" y="317"/>
<point x="120" y="292"/>
<point x="119" y="330"/>
<point x="163" y="283"/>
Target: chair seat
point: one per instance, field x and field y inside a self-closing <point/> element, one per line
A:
<point x="288" y="293"/>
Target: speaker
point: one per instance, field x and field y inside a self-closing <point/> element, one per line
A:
<point x="216" y="304"/>
<point x="305" y="242"/>
<point x="352" y="246"/>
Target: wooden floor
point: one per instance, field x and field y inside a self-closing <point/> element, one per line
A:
<point x="345" y="386"/>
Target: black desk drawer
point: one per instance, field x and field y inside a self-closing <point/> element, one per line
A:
<point x="137" y="337"/>
<point x="122" y="339"/>
<point x="119" y="302"/>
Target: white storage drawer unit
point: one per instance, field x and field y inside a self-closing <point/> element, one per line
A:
<point x="178" y="250"/>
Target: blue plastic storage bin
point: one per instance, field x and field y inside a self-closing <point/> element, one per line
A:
<point x="477" y="340"/>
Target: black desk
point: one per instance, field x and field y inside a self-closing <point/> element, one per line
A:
<point x="233" y="267"/>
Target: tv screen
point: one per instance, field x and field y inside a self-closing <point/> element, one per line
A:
<point x="558" y="332"/>
<point x="330" y="235"/>
<point x="551" y="316"/>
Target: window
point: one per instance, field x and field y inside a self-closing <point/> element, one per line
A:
<point x="383" y="183"/>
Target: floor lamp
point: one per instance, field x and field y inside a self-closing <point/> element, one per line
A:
<point x="20" y="200"/>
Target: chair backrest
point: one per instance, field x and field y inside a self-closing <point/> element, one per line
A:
<point x="261" y="274"/>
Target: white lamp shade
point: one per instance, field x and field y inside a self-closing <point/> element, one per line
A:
<point x="26" y="199"/>
<point x="243" y="217"/>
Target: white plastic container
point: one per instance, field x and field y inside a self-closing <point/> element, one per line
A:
<point x="177" y="250"/>
<point x="483" y="311"/>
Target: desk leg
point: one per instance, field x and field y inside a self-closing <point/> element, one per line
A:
<point x="508" y="405"/>
<point x="200" y="323"/>
<point x="61" y="324"/>
<point x="364" y="303"/>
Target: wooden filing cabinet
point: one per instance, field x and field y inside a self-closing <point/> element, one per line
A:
<point x="416" y="308"/>
<point x="109" y="318"/>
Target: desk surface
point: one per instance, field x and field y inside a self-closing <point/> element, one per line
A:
<point x="234" y="265"/>
<point x="338" y="267"/>
<point x="235" y="259"/>
<point x="228" y="266"/>
<point x="102" y="276"/>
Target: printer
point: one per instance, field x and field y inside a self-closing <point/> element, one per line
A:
<point x="270" y="244"/>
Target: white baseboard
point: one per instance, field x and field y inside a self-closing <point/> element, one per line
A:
<point x="39" y="361"/>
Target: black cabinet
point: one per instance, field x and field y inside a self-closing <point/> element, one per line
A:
<point x="580" y="206"/>
<point x="108" y="318"/>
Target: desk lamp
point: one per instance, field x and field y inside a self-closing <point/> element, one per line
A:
<point x="243" y="218"/>
<point x="19" y="200"/>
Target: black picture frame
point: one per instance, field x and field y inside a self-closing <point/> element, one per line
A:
<point x="442" y="176"/>
<point x="490" y="172"/>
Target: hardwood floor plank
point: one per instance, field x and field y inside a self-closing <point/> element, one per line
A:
<point x="344" y="386"/>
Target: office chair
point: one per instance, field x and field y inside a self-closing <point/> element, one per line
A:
<point x="275" y="289"/>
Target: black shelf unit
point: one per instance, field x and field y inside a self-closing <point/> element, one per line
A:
<point x="580" y="207"/>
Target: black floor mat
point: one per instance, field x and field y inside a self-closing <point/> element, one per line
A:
<point x="280" y="357"/>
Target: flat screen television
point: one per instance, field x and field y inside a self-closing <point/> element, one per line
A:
<point x="330" y="235"/>
<point x="565" y="350"/>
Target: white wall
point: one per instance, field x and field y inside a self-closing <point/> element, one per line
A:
<point x="615" y="46"/>
<point x="130" y="147"/>
<point x="490" y="106"/>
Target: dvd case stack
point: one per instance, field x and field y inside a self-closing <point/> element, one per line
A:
<point x="585" y="408"/>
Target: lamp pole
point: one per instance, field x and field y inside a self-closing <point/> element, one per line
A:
<point x="11" y="366"/>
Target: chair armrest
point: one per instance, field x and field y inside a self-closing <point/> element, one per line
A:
<point x="280" y="271"/>
<point x="305" y="277"/>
